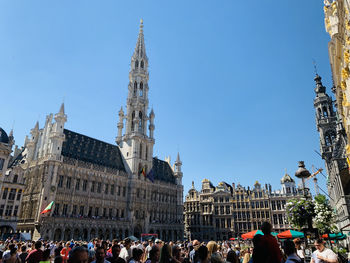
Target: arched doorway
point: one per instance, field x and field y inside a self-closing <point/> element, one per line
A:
<point x="137" y="231"/>
<point x="85" y="234"/>
<point x="108" y="234"/>
<point x="164" y="236"/>
<point x="6" y="230"/>
<point x="100" y="233"/>
<point x="92" y="233"/>
<point x="57" y="235"/>
<point x="76" y="235"/>
<point x="67" y="234"/>
<point x="126" y="233"/>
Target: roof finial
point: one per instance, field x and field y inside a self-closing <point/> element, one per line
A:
<point x="315" y="66"/>
<point x="141" y="25"/>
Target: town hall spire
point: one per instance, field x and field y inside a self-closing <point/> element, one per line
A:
<point x="137" y="142"/>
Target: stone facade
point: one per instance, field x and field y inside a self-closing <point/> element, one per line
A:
<point x="11" y="184"/>
<point x="333" y="141"/>
<point x="225" y="211"/>
<point x="100" y="189"/>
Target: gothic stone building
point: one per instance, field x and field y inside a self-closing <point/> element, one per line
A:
<point x="100" y="189"/>
<point x="333" y="146"/>
<point x="11" y="184"/>
<point x="227" y="211"/>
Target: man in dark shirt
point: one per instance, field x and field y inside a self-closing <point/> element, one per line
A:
<point x="36" y="255"/>
<point x="270" y="244"/>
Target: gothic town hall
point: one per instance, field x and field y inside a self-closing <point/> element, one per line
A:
<point x="100" y="189"/>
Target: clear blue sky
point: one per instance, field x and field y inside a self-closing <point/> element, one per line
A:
<point x="231" y="82"/>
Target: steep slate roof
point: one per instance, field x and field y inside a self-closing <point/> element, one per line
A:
<point x="3" y="136"/>
<point x="87" y="149"/>
<point x="162" y="171"/>
<point x="19" y="159"/>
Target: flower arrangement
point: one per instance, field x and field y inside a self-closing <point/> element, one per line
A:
<point x="299" y="211"/>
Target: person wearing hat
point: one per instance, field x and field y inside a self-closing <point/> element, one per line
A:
<point x="125" y="252"/>
<point x="158" y="243"/>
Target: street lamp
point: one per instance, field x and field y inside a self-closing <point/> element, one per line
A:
<point x="302" y="173"/>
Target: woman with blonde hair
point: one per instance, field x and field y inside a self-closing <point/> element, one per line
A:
<point x="213" y="254"/>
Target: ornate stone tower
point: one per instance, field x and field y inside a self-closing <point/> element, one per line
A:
<point x="325" y="119"/>
<point x="136" y="144"/>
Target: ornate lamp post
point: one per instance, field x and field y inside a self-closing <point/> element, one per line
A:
<point x="302" y="173"/>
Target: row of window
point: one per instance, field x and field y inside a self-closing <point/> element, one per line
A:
<point x="91" y="212"/>
<point x="11" y="195"/>
<point x="278" y="219"/>
<point x="94" y="186"/>
<point x="9" y="211"/>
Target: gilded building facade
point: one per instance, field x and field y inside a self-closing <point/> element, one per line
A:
<point x="100" y="189"/>
<point x="334" y="125"/>
<point x="225" y="211"/>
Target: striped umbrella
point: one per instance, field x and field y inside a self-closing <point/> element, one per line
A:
<point x="338" y="236"/>
<point x="290" y="234"/>
<point x="251" y="234"/>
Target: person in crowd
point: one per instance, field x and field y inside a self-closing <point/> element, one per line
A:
<point x="259" y="254"/>
<point x="165" y="254"/>
<point x="79" y="254"/>
<point x="176" y="252"/>
<point x="100" y="255"/>
<point x="271" y="246"/>
<point x="232" y="257"/>
<point x="153" y="255"/>
<point x="213" y="254"/>
<point x="201" y="255"/>
<point x="136" y="255"/>
<point x="148" y="249"/>
<point x="23" y="254"/>
<point x="159" y="243"/>
<point x="12" y="256"/>
<point x="291" y="252"/>
<point x="125" y="252"/>
<point x="245" y="255"/>
<point x="65" y="252"/>
<point x="323" y="254"/>
<point x="57" y="254"/>
<point x="238" y="250"/>
<point x="195" y="246"/>
<point x="36" y="255"/>
<point x="115" y="250"/>
<point x="300" y="251"/>
<point x="7" y="254"/>
<point x="46" y="256"/>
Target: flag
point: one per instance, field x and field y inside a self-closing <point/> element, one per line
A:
<point x="150" y="175"/>
<point x="143" y="172"/>
<point x="48" y="208"/>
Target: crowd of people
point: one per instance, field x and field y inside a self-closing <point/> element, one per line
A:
<point x="266" y="249"/>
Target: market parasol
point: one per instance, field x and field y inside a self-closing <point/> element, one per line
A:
<point x="290" y="234"/>
<point x="251" y="234"/>
<point x="338" y="236"/>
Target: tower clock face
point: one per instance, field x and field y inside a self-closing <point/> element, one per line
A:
<point x="53" y="188"/>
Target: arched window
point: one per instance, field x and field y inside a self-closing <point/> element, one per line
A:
<point x="140" y="150"/>
<point x="140" y="123"/>
<point x="141" y="89"/>
<point x="135" y="88"/>
<point x="319" y="113"/>
<point x="328" y="140"/>
<point x="142" y="64"/>
<point x="136" y="64"/>
<point x="132" y="120"/>
<point x="146" y="153"/>
<point x="325" y="112"/>
<point x="15" y="178"/>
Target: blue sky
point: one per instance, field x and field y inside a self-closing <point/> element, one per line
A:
<point x="231" y="82"/>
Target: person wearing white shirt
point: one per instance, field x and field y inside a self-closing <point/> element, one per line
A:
<point x="323" y="254"/>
